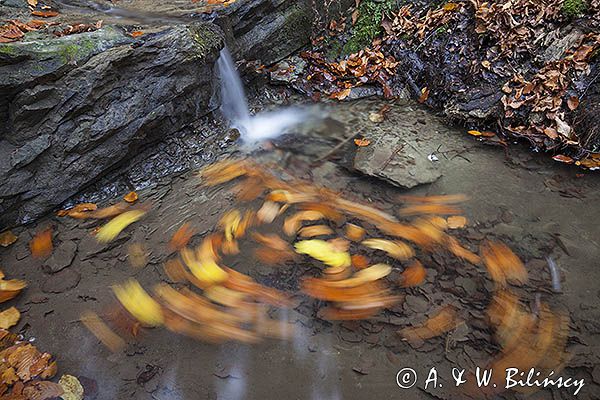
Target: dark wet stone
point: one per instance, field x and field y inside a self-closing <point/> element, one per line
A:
<point x="61" y="257"/>
<point x="82" y="104"/>
<point x="90" y="387"/>
<point x="62" y="281"/>
<point x="417" y="304"/>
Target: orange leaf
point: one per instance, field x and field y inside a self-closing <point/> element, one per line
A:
<point x="362" y="142"/>
<point x="44" y="14"/>
<point x="414" y="274"/>
<point x="181" y="238"/>
<point x="359" y="261"/>
<point x="131" y="197"/>
<point x="475" y="133"/>
<point x="136" y="33"/>
<point x="41" y="244"/>
<point x="340" y="94"/>
<point x="424" y="95"/>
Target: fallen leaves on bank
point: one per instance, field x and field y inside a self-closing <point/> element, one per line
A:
<point x="369" y="66"/>
<point x="15" y="30"/>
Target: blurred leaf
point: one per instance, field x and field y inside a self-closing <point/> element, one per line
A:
<point x="112" y="229"/>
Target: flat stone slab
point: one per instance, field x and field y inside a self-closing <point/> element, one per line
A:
<point x="397" y="159"/>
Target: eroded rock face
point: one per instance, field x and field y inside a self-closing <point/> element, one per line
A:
<point x="75" y="107"/>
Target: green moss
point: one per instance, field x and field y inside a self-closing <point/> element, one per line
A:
<point x="76" y="51"/>
<point x="205" y="38"/>
<point x="574" y="8"/>
<point x="8" y="49"/>
<point x="368" y="26"/>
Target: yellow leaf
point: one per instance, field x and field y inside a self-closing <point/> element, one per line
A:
<point x="475" y="133"/>
<point x="9" y="317"/>
<point x="398" y="250"/>
<point x="207" y="271"/>
<point x="456" y="222"/>
<point x="112" y="229"/>
<point x="325" y="252"/>
<point x="450" y="6"/>
<point x="139" y="303"/>
<point x="72" y="388"/>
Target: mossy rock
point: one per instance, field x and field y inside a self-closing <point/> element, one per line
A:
<point x="574" y="8"/>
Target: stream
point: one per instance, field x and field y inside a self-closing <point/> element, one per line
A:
<point x="537" y="207"/>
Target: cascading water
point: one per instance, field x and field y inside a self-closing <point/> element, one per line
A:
<point x="234" y="107"/>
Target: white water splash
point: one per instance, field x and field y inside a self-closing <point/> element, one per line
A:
<point x="234" y="107"/>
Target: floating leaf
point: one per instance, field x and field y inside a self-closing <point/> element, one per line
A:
<point x="131" y="197"/>
<point x="102" y="332"/>
<point x="181" y="238"/>
<point x="456" y="222"/>
<point x="315" y="230"/>
<point x="398" y="250"/>
<point x="443" y="321"/>
<point x="9" y="317"/>
<point x="9" y="289"/>
<point x="325" y="252"/>
<point x="7" y="238"/>
<point x="112" y="229"/>
<point x="362" y="142"/>
<point x="139" y="303"/>
<point x="414" y="275"/>
<point x="502" y="264"/>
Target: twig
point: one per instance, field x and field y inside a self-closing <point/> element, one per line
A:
<point x="335" y="149"/>
<point x="588" y="86"/>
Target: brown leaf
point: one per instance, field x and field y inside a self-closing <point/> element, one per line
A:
<point x="340" y="94"/>
<point x="7" y="238"/>
<point x="102" y="331"/>
<point x="424" y="95"/>
<point x="42" y="390"/>
<point x="573" y="103"/>
<point x="44" y="13"/>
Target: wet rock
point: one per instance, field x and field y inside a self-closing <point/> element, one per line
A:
<point x="399" y="161"/>
<point x="270" y="30"/>
<point x="74" y="107"/>
<point x="61" y="258"/>
<point x="62" y="281"/>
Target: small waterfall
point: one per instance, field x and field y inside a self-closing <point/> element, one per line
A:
<point x="234" y="107"/>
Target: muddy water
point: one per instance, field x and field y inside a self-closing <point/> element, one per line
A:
<point x="538" y="207"/>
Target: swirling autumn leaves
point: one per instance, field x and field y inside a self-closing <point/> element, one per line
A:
<point x="355" y="247"/>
